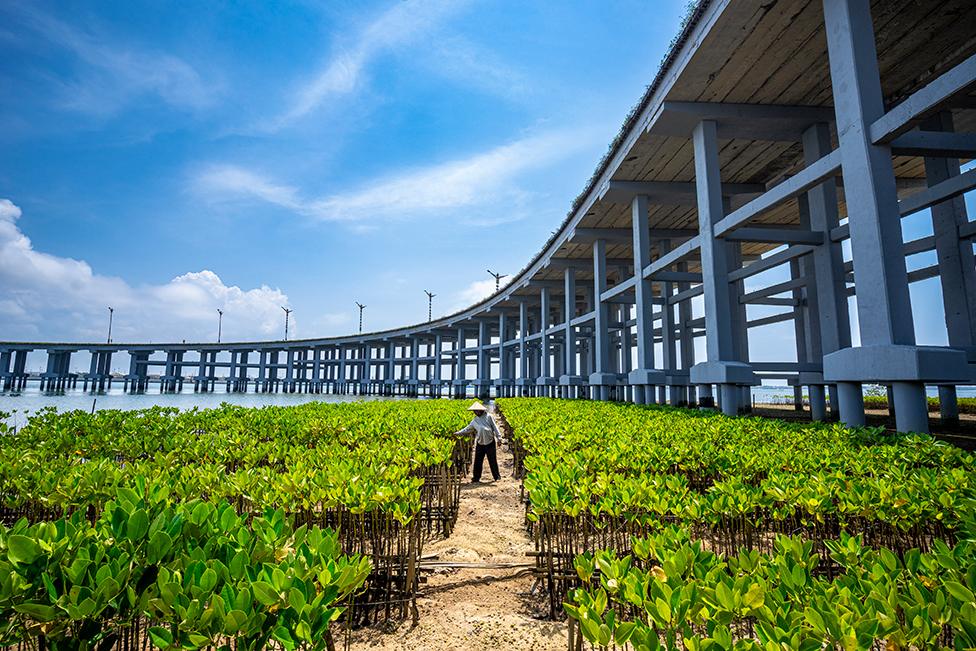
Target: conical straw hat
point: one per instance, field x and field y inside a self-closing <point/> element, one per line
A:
<point x="477" y="406"/>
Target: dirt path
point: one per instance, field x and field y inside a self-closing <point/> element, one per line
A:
<point x="459" y="609"/>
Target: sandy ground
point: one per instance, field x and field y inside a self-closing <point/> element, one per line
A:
<point x="478" y="609"/>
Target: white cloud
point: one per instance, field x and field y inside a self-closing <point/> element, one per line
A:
<point x="344" y="71"/>
<point x="487" y="186"/>
<point x="475" y="293"/>
<point x="50" y="297"/>
<point x="111" y="74"/>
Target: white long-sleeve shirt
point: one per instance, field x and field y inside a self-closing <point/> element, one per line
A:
<point x="484" y="428"/>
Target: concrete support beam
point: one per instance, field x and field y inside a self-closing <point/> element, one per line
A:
<point x="936" y="144"/>
<point x="748" y="121"/>
<point x="885" y="127"/>
<point x="808" y="177"/>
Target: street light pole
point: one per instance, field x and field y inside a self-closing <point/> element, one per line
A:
<point x="111" y="313"/>
<point x="287" y="314"/>
<point x="430" y="303"/>
<point x="361" y="308"/>
<point x="220" y="322"/>
<point x="498" y="277"/>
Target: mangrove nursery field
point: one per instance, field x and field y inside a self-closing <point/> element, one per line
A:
<point x="228" y="528"/>
<point x="653" y="527"/>
<point x="666" y="528"/>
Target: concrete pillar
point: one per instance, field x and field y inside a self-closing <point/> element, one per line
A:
<point x="669" y="351"/>
<point x="571" y="374"/>
<point x="601" y="375"/>
<point x="316" y="369"/>
<point x="883" y="302"/>
<point x="244" y="367"/>
<point x="414" y="363"/>
<point x="850" y="401"/>
<point x="948" y="405"/>
<point x="484" y="361"/>
<point x="5" y="376"/>
<point x="957" y="266"/>
<point x="818" y="403"/>
<point x="438" y="350"/>
<point x="545" y="380"/>
<point x="504" y="362"/>
<point x="289" y="369"/>
<point x="686" y="340"/>
<point x="644" y="374"/>
<point x="523" y="350"/>
<point x="722" y="367"/>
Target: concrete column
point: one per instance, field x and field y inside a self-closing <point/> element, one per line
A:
<point x="438" y="351"/>
<point x="391" y="364"/>
<point x="5" y="376"/>
<point x="289" y="369"/>
<point x="522" y="347"/>
<point x="601" y="377"/>
<point x="571" y="375"/>
<point x="957" y="267"/>
<point x="202" y="371"/>
<point x="669" y="352"/>
<point x="828" y="325"/>
<point x="948" y="405"/>
<point x="484" y="361"/>
<point x="626" y="352"/>
<point x="316" y="369"/>
<point x="414" y="362"/>
<point x="545" y="369"/>
<point x="887" y="352"/>
<point x="686" y="339"/>
<point x="644" y="376"/>
<point x="244" y="366"/>
<point x="504" y="368"/>
<point x="722" y="367"/>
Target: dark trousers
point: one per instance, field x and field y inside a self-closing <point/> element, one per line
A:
<point x="480" y="451"/>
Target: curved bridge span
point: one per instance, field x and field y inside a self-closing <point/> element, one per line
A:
<point x="726" y="193"/>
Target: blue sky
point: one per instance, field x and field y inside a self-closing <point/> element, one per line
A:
<point x="172" y="158"/>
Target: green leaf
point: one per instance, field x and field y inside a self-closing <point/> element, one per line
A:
<point x="284" y="636"/>
<point x="755" y="596"/>
<point x="161" y="637"/>
<point x="208" y="580"/>
<point x="623" y="632"/>
<point x="137" y="526"/>
<point x="264" y="593"/>
<point x="22" y="550"/>
<point x="233" y="621"/>
<point x="959" y="591"/>
<point x="228" y="519"/>
<point x="37" y="612"/>
<point x="296" y="599"/>
<point x="159" y="546"/>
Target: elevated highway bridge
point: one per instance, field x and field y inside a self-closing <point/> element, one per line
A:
<point x="776" y="135"/>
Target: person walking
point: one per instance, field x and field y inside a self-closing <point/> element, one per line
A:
<point x="486" y="439"/>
